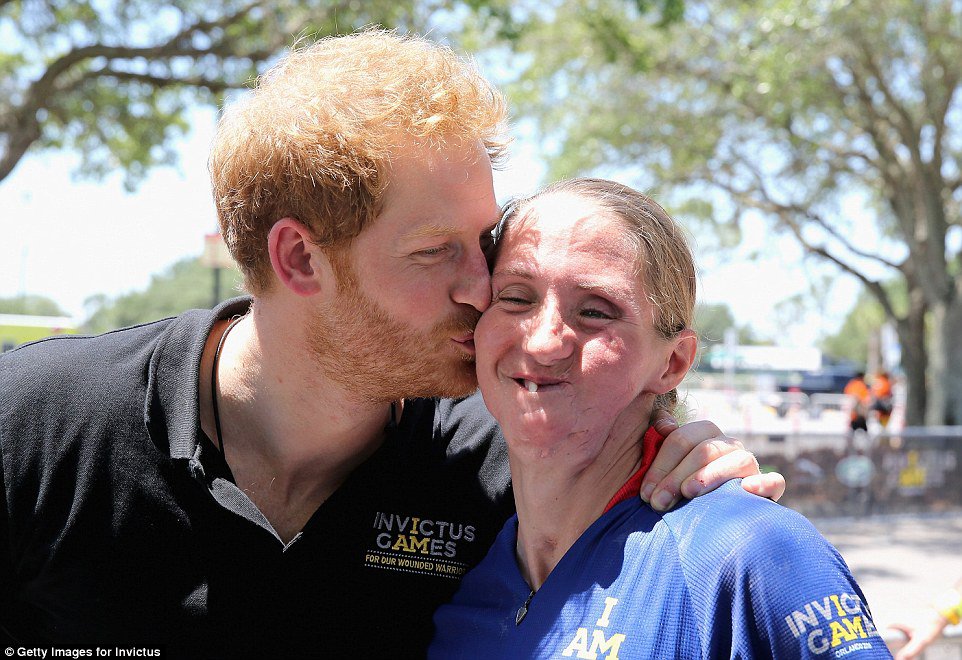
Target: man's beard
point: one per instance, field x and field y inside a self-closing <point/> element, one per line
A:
<point x="362" y="348"/>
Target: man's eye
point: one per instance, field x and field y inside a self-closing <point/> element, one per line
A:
<point x="432" y="252"/>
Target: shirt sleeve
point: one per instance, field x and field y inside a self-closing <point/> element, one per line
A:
<point x="6" y="564"/>
<point x="768" y="585"/>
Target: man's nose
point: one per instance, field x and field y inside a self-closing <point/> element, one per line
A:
<point x="473" y="286"/>
<point x="549" y="338"/>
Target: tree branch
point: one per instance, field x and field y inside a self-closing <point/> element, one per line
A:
<point x="794" y="211"/>
<point x="173" y="47"/>
<point x="954" y="183"/>
<point x="904" y="125"/>
<point x="926" y="178"/>
<point x="874" y="287"/>
<point x="744" y="197"/>
<point x="23" y="127"/>
<point x="900" y="180"/>
<point x="18" y="142"/>
<point x="875" y="119"/>
<point x="162" y="82"/>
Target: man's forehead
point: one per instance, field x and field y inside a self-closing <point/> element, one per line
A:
<point x="438" y="191"/>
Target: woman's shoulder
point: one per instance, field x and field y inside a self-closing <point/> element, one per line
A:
<point x="729" y="521"/>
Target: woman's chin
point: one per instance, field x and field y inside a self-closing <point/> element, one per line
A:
<point x="539" y="440"/>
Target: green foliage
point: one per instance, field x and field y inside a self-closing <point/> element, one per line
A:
<point x="185" y="285"/>
<point x="31" y="305"/>
<point x="111" y="79"/>
<point x="768" y="102"/>
<point x="851" y="342"/>
<point x="864" y="321"/>
<point x="14" y="335"/>
<point x="713" y="320"/>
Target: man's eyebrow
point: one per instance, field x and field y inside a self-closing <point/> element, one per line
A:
<point x="436" y="229"/>
<point x="430" y="230"/>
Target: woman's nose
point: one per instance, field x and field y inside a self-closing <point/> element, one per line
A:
<point x="549" y="338"/>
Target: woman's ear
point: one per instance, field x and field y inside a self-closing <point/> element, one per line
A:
<point x="682" y="357"/>
<point x="300" y="265"/>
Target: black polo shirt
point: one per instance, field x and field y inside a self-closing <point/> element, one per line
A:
<point x="119" y="523"/>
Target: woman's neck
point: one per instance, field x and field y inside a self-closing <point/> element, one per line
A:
<point x="557" y="500"/>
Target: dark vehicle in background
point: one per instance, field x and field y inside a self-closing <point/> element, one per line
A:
<point x="827" y="380"/>
<point x="815" y="390"/>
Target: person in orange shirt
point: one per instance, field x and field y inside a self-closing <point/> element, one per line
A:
<point x="882" y="397"/>
<point x="858" y="390"/>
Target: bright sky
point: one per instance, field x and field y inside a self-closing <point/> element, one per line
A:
<point x="68" y="239"/>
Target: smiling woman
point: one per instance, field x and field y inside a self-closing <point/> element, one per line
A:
<point x="588" y="332"/>
<point x="571" y="314"/>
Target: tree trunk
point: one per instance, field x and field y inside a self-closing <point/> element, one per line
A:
<point x="911" y="332"/>
<point x="945" y="365"/>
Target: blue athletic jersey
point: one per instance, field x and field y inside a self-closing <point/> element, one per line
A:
<point x="726" y="575"/>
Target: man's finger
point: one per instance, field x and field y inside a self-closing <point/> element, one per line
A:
<point x="770" y="485"/>
<point x="664" y="422"/>
<point x="708" y="465"/>
<point x="738" y="462"/>
<point x="679" y="441"/>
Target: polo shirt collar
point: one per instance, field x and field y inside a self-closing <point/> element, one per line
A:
<point x="172" y="408"/>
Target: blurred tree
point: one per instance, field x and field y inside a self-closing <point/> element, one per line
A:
<point x="852" y="341"/>
<point x="112" y="78"/>
<point x="185" y="285"/>
<point x="31" y="306"/>
<point x="712" y="320"/>
<point x="838" y="121"/>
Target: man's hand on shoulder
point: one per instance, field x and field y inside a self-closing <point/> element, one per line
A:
<point x="696" y="459"/>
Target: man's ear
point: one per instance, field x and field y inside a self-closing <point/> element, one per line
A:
<point x="298" y="263"/>
<point x="682" y="357"/>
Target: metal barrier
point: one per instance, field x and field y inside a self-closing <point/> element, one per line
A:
<point x="822" y="402"/>
<point x="914" y="470"/>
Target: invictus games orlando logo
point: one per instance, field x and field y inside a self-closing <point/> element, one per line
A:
<point x="414" y="544"/>
<point x="838" y="623"/>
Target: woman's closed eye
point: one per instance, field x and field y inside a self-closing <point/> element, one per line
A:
<point x="512" y="296"/>
<point x="512" y="300"/>
<point x="597" y="314"/>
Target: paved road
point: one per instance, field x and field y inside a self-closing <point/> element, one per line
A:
<point x="901" y="561"/>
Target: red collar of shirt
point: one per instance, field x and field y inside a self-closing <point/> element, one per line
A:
<point x="650" y="444"/>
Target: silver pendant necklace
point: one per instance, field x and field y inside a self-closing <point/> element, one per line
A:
<point x="523" y="610"/>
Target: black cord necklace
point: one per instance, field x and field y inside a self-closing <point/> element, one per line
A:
<point x="213" y="388"/>
<point x="213" y="382"/>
